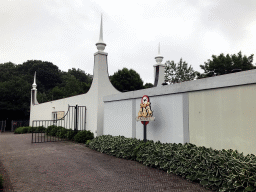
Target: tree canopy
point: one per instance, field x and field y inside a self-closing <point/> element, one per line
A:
<point x="148" y="85"/>
<point x="80" y="75"/>
<point x="52" y="84"/>
<point x="220" y="65"/>
<point x="176" y="73"/>
<point x="126" y="80"/>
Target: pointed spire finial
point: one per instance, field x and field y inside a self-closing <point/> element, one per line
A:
<point x="101" y="45"/>
<point x="101" y="33"/>
<point x="34" y="84"/>
<point x="159" y="58"/>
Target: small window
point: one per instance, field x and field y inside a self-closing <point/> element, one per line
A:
<point x="54" y="117"/>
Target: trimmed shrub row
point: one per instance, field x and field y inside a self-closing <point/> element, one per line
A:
<point x="1" y="182"/>
<point x="61" y="132"/>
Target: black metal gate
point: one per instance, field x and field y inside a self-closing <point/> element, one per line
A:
<point x="74" y="119"/>
<point x="2" y="126"/>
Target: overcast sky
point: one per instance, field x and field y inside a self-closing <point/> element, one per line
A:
<point x="65" y="32"/>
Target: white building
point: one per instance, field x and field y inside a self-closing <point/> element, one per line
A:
<point x="217" y="112"/>
<point x="93" y="99"/>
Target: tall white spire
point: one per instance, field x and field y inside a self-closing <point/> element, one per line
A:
<point x="159" y="58"/>
<point x="101" y="45"/>
<point x="34" y="84"/>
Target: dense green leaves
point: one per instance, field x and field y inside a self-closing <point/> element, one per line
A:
<point x="83" y="136"/>
<point x="58" y="131"/>
<point x="16" y="83"/>
<point x="176" y="73"/>
<point x="220" y="65"/>
<point x="126" y="80"/>
<point x="80" y="75"/>
<point x="148" y="85"/>
<point x="1" y="182"/>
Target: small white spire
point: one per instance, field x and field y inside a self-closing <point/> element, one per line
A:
<point x="101" y="45"/>
<point x="159" y="58"/>
<point x="101" y="33"/>
<point x="34" y="84"/>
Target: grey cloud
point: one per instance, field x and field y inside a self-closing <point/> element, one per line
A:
<point x="229" y="17"/>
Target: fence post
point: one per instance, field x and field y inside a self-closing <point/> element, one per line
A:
<point x="12" y="126"/>
<point x="76" y="113"/>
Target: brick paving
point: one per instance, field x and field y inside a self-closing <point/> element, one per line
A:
<point x="68" y="166"/>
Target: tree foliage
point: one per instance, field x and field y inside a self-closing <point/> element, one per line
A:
<point x="126" y="80"/>
<point x="220" y="65"/>
<point x="176" y="73"/>
<point x="80" y="75"/>
<point x="16" y="83"/>
<point x="148" y="85"/>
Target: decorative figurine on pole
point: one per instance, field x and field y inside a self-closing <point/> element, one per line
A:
<point x="145" y="113"/>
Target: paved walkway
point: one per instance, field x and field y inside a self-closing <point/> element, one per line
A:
<point x="67" y="166"/>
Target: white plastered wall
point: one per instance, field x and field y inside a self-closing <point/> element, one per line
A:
<point x="120" y="115"/>
<point x="224" y="118"/>
<point x="168" y="124"/>
<point x="118" y="118"/>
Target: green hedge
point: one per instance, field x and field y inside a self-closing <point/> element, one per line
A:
<point x="22" y="130"/>
<point x="218" y="170"/>
<point x="70" y="134"/>
<point x="18" y="130"/>
<point x="1" y="182"/>
<point x="83" y="136"/>
<point x="61" y="132"/>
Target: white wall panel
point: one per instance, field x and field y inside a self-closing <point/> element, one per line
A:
<point x="118" y="118"/>
<point x="168" y="124"/>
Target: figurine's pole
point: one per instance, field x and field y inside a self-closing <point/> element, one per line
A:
<point x="145" y="130"/>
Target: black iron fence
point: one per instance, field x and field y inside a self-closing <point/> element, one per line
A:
<point x="2" y="126"/>
<point x="15" y="124"/>
<point x="59" y="128"/>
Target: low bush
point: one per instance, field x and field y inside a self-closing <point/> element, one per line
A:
<point x="87" y="143"/>
<point x="83" y="136"/>
<point x="54" y="130"/>
<point x="1" y="182"/>
<point x="70" y="134"/>
<point x="49" y="129"/>
<point x="18" y="130"/>
<point x="218" y="170"/>
<point x="62" y="132"/>
<point x="30" y="129"/>
<point x="40" y="129"/>
<point x="22" y="130"/>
